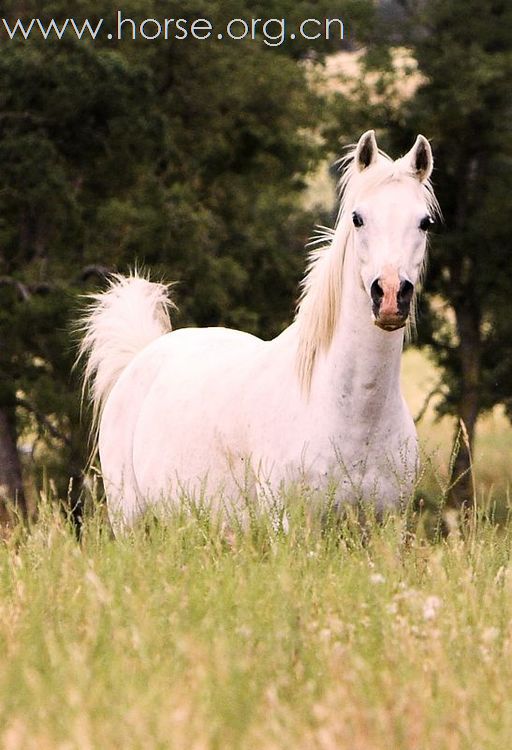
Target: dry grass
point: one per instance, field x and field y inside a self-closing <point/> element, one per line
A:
<point x="493" y="445"/>
<point x="319" y="638"/>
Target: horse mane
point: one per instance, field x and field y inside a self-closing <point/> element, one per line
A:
<point x="320" y="298"/>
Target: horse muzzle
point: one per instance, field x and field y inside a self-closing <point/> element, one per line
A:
<point x="391" y="300"/>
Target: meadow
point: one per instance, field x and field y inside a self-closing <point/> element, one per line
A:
<point x="332" y="635"/>
<point x="180" y="636"/>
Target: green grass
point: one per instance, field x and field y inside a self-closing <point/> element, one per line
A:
<point x="190" y="637"/>
<point x="187" y="636"/>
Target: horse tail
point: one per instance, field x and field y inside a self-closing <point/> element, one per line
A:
<point x="114" y="328"/>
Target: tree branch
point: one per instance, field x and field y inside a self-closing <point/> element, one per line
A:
<point x="434" y="392"/>
<point x="22" y="289"/>
<point x="94" y="270"/>
<point x="43" y="421"/>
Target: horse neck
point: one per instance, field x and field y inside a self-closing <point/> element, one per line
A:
<point x="362" y="367"/>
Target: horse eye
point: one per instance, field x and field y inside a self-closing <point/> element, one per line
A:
<point x="426" y="223"/>
<point x="357" y="219"/>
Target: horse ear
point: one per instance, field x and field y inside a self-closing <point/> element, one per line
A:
<point x="366" y="150"/>
<point x="420" y="159"/>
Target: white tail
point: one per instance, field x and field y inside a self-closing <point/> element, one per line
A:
<point x="117" y="325"/>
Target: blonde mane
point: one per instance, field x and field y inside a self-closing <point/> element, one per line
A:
<point x="320" y="299"/>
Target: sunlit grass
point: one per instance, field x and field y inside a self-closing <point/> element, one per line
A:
<point x="189" y="634"/>
<point x="493" y="444"/>
<point x="185" y="635"/>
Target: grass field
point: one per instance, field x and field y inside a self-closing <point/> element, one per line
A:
<point x="186" y="637"/>
<point x="319" y="638"/>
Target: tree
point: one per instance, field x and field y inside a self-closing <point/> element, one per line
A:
<point x="461" y="71"/>
<point x="190" y="158"/>
<point x="464" y="51"/>
<point x="70" y="118"/>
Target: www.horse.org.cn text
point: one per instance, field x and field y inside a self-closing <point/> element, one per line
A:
<point x="274" y="32"/>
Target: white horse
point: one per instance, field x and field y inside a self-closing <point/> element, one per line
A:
<point x="214" y="409"/>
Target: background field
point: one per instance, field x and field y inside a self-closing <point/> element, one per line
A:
<point x="493" y="446"/>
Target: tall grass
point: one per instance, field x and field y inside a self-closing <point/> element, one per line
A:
<point x="187" y="635"/>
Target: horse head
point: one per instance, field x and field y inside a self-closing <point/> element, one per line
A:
<point x="392" y="209"/>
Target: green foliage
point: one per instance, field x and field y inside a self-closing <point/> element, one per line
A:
<point x="463" y="53"/>
<point x="187" y="157"/>
<point x="464" y="50"/>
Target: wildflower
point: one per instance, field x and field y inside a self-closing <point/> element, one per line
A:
<point x="377" y="578"/>
<point x="430" y="607"/>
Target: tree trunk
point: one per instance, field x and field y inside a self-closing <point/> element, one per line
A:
<point x="11" y="485"/>
<point x="468" y="327"/>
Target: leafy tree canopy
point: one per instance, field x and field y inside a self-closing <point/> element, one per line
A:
<point x="187" y="157"/>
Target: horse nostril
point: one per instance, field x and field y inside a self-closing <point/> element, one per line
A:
<point x="377" y="294"/>
<point x="404" y="297"/>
